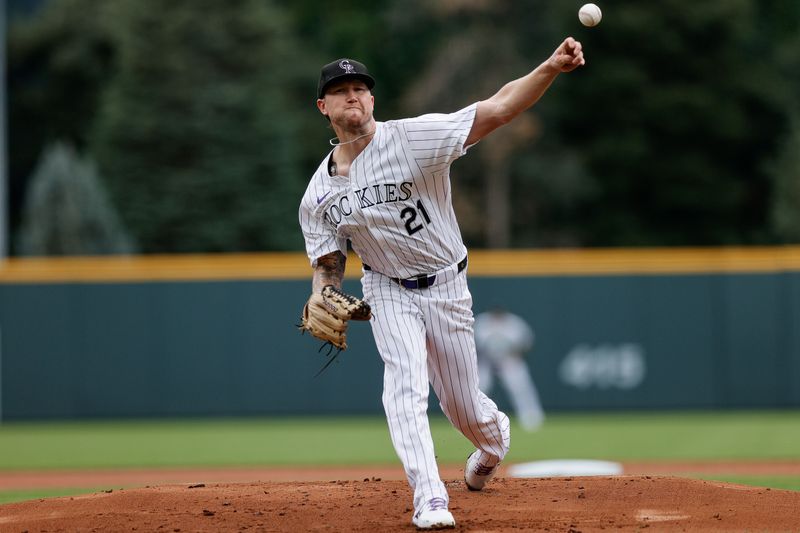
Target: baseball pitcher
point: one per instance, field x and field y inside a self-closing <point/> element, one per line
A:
<point x="385" y="187"/>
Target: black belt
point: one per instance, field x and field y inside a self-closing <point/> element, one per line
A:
<point x="421" y="281"/>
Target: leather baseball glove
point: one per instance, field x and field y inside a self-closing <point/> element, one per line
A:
<point x="326" y="314"/>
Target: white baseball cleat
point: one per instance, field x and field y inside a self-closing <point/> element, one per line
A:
<point x="434" y="515"/>
<point x="476" y="475"/>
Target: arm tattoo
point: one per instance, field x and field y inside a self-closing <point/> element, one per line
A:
<point x="329" y="271"/>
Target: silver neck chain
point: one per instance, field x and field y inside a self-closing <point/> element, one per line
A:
<point x="333" y="143"/>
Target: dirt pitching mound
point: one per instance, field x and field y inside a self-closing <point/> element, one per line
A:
<point x="552" y="504"/>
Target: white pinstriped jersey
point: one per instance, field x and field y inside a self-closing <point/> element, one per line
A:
<point x="396" y="206"/>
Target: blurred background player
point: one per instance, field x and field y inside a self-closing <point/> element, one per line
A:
<point x="502" y="340"/>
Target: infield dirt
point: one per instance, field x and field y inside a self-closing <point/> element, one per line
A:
<point x="568" y="504"/>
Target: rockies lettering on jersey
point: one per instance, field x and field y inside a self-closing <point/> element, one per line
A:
<point x="368" y="197"/>
<point x="395" y="206"/>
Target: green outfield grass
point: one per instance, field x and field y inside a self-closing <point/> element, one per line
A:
<point x="11" y="496"/>
<point x="774" y="482"/>
<point x="365" y="440"/>
<point x="720" y="436"/>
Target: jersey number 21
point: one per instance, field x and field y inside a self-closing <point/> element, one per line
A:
<point x="409" y="214"/>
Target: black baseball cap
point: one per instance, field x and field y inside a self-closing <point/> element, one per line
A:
<point x="342" y="69"/>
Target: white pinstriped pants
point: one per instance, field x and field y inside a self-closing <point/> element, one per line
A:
<point x="426" y="335"/>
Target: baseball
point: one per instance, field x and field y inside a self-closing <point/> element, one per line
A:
<point x="590" y="15"/>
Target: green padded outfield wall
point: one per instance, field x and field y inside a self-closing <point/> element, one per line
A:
<point x="200" y="336"/>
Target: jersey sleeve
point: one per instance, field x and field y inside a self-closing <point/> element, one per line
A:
<point x="320" y="237"/>
<point x="437" y="139"/>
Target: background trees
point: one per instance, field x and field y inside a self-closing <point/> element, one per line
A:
<point x="58" y="63"/>
<point x="200" y="114"/>
<point x="675" y="123"/>
<point x="197" y="131"/>
<point x="67" y="210"/>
